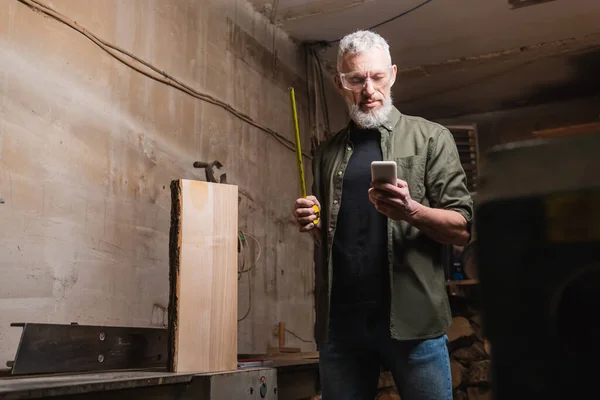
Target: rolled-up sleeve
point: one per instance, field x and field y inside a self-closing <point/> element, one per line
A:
<point x="446" y="180"/>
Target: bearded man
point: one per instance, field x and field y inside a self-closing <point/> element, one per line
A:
<point x="380" y="292"/>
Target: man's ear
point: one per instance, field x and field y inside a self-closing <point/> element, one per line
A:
<point x="394" y="73"/>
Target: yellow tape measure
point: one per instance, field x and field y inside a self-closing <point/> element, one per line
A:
<point x="299" y="156"/>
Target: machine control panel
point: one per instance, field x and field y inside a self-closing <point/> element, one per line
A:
<point x="250" y="383"/>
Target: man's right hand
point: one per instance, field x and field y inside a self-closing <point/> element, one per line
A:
<point x="305" y="214"/>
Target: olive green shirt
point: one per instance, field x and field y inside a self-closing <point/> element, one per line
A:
<point x="428" y="161"/>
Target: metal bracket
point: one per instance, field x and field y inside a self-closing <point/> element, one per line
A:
<point x="50" y="348"/>
<point x="210" y="174"/>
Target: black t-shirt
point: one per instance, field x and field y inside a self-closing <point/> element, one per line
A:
<point x="359" y="252"/>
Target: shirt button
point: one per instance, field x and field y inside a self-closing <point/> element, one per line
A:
<point x="335" y="202"/>
<point x="349" y="148"/>
<point x="339" y="173"/>
<point x="330" y="229"/>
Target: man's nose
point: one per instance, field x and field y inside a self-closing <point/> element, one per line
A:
<point x="368" y="88"/>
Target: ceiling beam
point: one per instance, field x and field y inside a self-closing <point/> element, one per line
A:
<point x="516" y="4"/>
<point x="313" y="8"/>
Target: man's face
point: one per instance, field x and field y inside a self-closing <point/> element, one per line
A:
<point x="365" y="80"/>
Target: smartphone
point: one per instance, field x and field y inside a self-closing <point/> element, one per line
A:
<point x="384" y="171"/>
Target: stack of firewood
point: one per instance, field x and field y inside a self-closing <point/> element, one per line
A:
<point x="470" y="355"/>
<point x="386" y="387"/>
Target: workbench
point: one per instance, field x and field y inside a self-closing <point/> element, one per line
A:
<point x="78" y="361"/>
<point x="283" y="379"/>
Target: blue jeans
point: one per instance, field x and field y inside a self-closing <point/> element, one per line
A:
<point x="358" y="345"/>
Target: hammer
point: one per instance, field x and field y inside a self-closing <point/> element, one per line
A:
<point x="209" y="169"/>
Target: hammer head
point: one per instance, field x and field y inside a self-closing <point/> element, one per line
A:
<point x="221" y="177"/>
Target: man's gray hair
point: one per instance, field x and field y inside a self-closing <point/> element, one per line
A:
<point x="359" y="42"/>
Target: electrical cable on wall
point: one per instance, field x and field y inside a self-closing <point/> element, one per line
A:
<point x="298" y="337"/>
<point x="158" y="75"/>
<point x="243" y="249"/>
<point x="249" y="300"/>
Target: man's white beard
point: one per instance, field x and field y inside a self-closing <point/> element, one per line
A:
<point x="372" y="118"/>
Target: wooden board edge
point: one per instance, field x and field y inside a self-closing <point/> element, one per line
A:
<point x="590" y="128"/>
<point x="234" y="362"/>
<point x="174" y="262"/>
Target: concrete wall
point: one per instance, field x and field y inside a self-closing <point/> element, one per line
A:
<point x="88" y="148"/>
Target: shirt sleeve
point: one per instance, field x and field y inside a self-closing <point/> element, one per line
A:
<point x="446" y="180"/>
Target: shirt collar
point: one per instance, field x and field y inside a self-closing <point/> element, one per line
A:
<point x="392" y="119"/>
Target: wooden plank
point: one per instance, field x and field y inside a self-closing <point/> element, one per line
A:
<point x="203" y="277"/>
<point x="464" y="282"/>
<point x="277" y="350"/>
<point x="524" y="3"/>
<point x="280" y="356"/>
<point x="574" y="130"/>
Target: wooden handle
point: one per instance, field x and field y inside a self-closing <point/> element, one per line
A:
<point x="281" y="334"/>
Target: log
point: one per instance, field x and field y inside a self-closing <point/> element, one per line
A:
<point x="460" y="327"/>
<point x="203" y="270"/>
<point x="457" y="371"/>
<point x="478" y="373"/>
<point x="388" y="394"/>
<point x="488" y="347"/>
<point x="478" y="393"/>
<point x="476" y="325"/>
<point x="386" y="380"/>
<point x="476" y="319"/>
<point x="476" y="352"/>
<point x="460" y="333"/>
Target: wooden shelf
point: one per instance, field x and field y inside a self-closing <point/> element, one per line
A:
<point x="573" y="130"/>
<point x="460" y="288"/>
<point x="464" y="282"/>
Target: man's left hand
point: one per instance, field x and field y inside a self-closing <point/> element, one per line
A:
<point x="393" y="201"/>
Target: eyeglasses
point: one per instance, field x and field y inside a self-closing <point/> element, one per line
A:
<point x="355" y="81"/>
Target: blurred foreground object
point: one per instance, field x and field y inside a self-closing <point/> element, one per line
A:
<point x="538" y="258"/>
